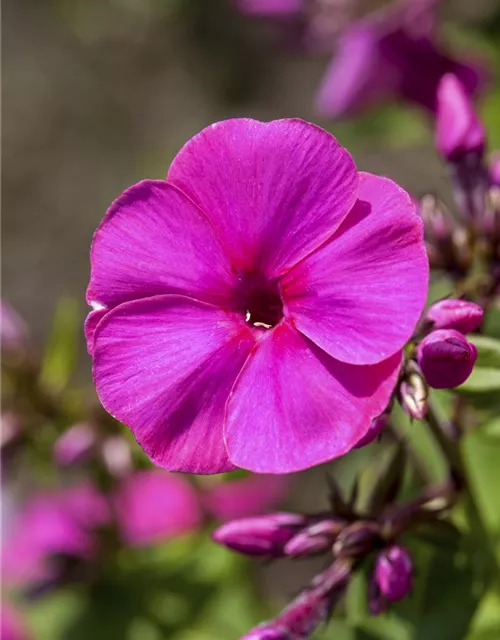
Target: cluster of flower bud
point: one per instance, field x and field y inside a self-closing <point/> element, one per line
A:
<point x="352" y="539"/>
<point x="280" y="534"/>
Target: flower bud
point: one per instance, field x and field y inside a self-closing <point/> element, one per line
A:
<point x="316" y="538"/>
<point x="446" y="358"/>
<point x="460" y="315"/>
<point x="260" y="536"/>
<point x="75" y="445"/>
<point x="458" y="129"/>
<point x="357" y="539"/>
<point x="413" y="395"/>
<point x="394" y="572"/>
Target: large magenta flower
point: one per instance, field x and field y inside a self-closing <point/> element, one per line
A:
<point x="251" y="309"/>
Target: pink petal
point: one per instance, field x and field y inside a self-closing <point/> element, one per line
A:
<point x="246" y="497"/>
<point x="360" y="296"/>
<point x="154" y="240"/>
<point x="274" y="191"/>
<point x="153" y="505"/>
<point x="293" y="406"/>
<point x="165" y="366"/>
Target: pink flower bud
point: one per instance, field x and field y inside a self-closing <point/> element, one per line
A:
<point x="458" y="129"/>
<point x="460" y="315"/>
<point x="260" y="536"/>
<point x="446" y="358"/>
<point x="394" y="572"/>
<point x="75" y="445"/>
<point x="413" y="395"/>
<point x="316" y="538"/>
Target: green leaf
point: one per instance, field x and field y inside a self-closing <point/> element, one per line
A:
<point x="61" y="355"/>
<point x="482" y="456"/>
<point x="485" y="376"/>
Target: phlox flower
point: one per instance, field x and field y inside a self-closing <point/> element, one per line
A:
<point x="250" y="310"/>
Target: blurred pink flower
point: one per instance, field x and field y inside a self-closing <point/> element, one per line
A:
<point x="52" y="524"/>
<point x="391" y="55"/>
<point x="153" y="505"/>
<point x="458" y="129"/>
<point x="12" y="625"/>
<point x="245" y="497"/>
<point x="251" y="309"/>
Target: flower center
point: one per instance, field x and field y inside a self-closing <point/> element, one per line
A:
<point x="261" y="301"/>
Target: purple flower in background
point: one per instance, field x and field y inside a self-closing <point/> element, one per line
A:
<point x="390" y="55"/>
<point x="394" y="572"/>
<point x="446" y="358"/>
<point x="460" y="315"/>
<point x="12" y="625"/>
<point x="244" y="309"/>
<point x="152" y="506"/>
<point x="245" y="497"/>
<point x="458" y="130"/>
<point x="53" y="524"/>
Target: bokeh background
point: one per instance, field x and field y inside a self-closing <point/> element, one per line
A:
<point x="98" y="94"/>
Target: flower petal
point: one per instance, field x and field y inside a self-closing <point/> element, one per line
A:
<point x="152" y="241"/>
<point x="293" y="406"/>
<point x="165" y="366"/>
<point x="274" y="191"/>
<point x="360" y="296"/>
